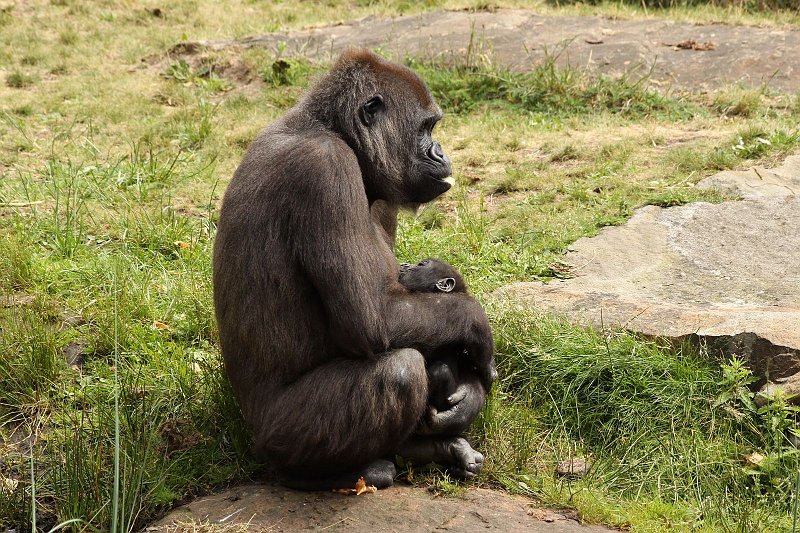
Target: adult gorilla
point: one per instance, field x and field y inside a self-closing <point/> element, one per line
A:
<point x="322" y="345"/>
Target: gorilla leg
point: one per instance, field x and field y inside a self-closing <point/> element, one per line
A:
<point x="336" y="422"/>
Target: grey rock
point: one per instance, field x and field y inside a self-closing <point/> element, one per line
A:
<point x="521" y="39"/>
<point x="573" y="468"/>
<point x="758" y="183"/>
<point x="727" y="275"/>
<point x="790" y="387"/>
<point x="400" y="508"/>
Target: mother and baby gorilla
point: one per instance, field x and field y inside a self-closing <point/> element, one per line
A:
<point x="339" y="357"/>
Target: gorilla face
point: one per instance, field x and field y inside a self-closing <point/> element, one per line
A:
<point x="404" y="164"/>
<point x="433" y="170"/>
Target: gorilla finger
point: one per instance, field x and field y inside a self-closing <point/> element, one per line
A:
<point x="474" y="468"/>
<point x="457" y="396"/>
<point x="487" y="374"/>
<point x="460" y="473"/>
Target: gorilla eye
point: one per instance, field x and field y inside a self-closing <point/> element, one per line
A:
<point x="423" y="263"/>
<point x="427" y="126"/>
<point x="370" y="110"/>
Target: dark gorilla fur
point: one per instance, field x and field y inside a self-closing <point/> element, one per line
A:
<point x="322" y="345"/>
<point x="455" y="392"/>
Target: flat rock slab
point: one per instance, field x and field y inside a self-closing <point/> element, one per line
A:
<point x="521" y="39"/>
<point x="726" y="273"/>
<point x="400" y="508"/>
<point x="758" y="183"/>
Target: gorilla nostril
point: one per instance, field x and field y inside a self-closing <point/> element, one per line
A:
<point x="436" y="153"/>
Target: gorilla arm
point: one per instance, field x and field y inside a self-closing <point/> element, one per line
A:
<point x="384" y="216"/>
<point x="343" y="256"/>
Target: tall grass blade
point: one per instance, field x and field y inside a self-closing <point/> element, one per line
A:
<point x="796" y="498"/>
<point x="115" y="498"/>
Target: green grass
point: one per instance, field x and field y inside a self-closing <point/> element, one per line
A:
<point x="111" y="172"/>
<point x="665" y="429"/>
<point x="548" y="88"/>
<point x="19" y="80"/>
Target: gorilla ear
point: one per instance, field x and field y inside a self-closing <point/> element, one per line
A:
<point x="446" y="284"/>
<point x="371" y="109"/>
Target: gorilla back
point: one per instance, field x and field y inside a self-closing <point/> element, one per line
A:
<point x="320" y="342"/>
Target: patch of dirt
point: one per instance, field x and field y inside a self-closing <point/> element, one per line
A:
<point x="400" y="508"/>
<point x="227" y="65"/>
<point x="178" y="435"/>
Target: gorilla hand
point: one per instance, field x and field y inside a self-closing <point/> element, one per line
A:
<point x="480" y="347"/>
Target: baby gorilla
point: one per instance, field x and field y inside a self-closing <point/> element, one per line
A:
<point x="455" y="392"/>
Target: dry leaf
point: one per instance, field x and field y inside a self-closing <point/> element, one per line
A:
<point x="160" y="325"/>
<point x="754" y="459"/>
<point x="362" y="487"/>
<point x="182" y="244"/>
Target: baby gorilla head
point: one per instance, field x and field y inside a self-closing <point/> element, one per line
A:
<point x="431" y="275"/>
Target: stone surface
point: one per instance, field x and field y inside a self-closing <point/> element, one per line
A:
<point x="789" y="386"/>
<point x="728" y="273"/>
<point x="400" y="508"/>
<point x="574" y="468"/>
<point x="520" y="39"/>
<point x="758" y="183"/>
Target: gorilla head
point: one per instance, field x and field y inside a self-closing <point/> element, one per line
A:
<point x="431" y="275"/>
<point x="372" y="103"/>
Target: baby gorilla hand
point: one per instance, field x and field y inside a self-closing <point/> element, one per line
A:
<point x="464" y="405"/>
<point x="459" y="395"/>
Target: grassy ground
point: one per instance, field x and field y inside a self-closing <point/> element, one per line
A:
<point x="114" y="155"/>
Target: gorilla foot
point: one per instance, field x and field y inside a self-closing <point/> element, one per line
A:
<point x="380" y="473"/>
<point x="454" y="453"/>
<point x="468" y="461"/>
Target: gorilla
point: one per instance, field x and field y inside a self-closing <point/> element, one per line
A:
<point x="321" y="343"/>
<point x="455" y="392"/>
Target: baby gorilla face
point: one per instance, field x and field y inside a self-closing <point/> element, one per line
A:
<point x="431" y="275"/>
